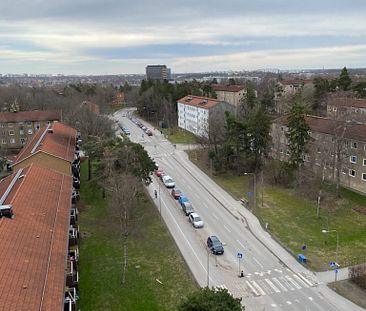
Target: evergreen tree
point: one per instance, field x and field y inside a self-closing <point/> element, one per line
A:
<point x="297" y="135"/>
<point x="207" y="299"/>
<point x="344" y="80"/>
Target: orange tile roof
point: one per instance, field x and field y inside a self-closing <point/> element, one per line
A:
<point x="24" y="116"/>
<point x="354" y="131"/>
<point x="228" y="88"/>
<point x="348" y="102"/>
<point x="34" y="243"/>
<point x="199" y="101"/>
<point x="60" y="143"/>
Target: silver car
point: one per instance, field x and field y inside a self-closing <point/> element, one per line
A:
<point x="196" y="220"/>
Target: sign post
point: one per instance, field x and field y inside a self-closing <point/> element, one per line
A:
<point x="240" y="256"/>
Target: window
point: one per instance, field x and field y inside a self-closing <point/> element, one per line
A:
<point x="22" y="141"/>
<point x="352" y="173"/>
<point x="11" y="132"/>
<point x="344" y="170"/>
<point x="3" y="125"/>
<point x="48" y="122"/>
<point x="12" y="140"/>
<point x="21" y="132"/>
<point x="346" y="143"/>
<point x="363" y="176"/>
<point x="354" y="145"/>
<point x="318" y="150"/>
<point x="29" y="123"/>
<point x="37" y="126"/>
<point x="3" y="141"/>
<point x="30" y="131"/>
<point x="353" y="159"/>
<point x="364" y="162"/>
<point x="10" y="124"/>
<point x="281" y="150"/>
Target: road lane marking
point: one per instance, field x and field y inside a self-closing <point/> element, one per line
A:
<point x="240" y="244"/>
<point x="292" y="281"/>
<point x="310" y="298"/>
<point x="279" y="284"/>
<point x="305" y="279"/>
<point x="273" y="305"/>
<point x="258" y="262"/>
<point x="289" y="302"/>
<point x="227" y="229"/>
<point x="214" y="215"/>
<point x="272" y="285"/>
<point x="261" y="291"/>
<point x="286" y="282"/>
<point x="204" y="204"/>
<point x="300" y="281"/>
<point x="252" y="288"/>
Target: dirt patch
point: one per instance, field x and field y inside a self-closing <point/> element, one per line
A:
<point x="360" y="209"/>
<point x="82" y="206"/>
<point x="85" y="234"/>
<point x="350" y="291"/>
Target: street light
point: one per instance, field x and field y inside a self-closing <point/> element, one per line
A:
<point x="254" y="189"/>
<point x="328" y="231"/>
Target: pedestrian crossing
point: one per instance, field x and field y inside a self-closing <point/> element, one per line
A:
<point x="271" y="285"/>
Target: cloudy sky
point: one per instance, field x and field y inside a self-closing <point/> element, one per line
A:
<point x="123" y="36"/>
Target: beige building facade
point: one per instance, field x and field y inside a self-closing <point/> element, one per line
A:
<point x="347" y="109"/>
<point x="231" y="94"/>
<point x="335" y="148"/>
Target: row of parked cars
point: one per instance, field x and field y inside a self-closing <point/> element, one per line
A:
<point x="140" y="125"/>
<point x="213" y="242"/>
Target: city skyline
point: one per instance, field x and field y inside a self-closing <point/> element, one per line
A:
<point x="112" y="37"/>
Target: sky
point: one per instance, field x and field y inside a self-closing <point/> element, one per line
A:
<point x="123" y="36"/>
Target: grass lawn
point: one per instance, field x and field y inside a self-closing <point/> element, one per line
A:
<point x="152" y="255"/>
<point x="293" y="221"/>
<point x="179" y="136"/>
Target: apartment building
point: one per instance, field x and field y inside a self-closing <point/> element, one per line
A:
<point x="194" y="113"/>
<point x="230" y="93"/>
<point x="334" y="145"/>
<point x="158" y="72"/>
<point x="16" y="128"/>
<point x="291" y="87"/>
<point x="347" y="109"/>
<point x="52" y="147"/>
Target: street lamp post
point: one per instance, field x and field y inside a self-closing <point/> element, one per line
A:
<point x="254" y="189"/>
<point x="328" y="231"/>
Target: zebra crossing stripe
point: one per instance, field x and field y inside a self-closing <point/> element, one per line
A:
<point x="272" y="285"/>
<point x="286" y="282"/>
<point x="300" y="281"/>
<point x="252" y="288"/>
<point x="279" y="284"/>
<point x="261" y="291"/>
<point x="293" y="282"/>
<point x="305" y="279"/>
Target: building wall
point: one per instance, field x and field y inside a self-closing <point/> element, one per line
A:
<point x="346" y="113"/>
<point x="193" y="119"/>
<point x="47" y="161"/>
<point x="157" y="72"/>
<point x="321" y="157"/>
<point x="14" y="135"/>
<point x="232" y="98"/>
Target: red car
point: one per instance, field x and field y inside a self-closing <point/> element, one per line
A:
<point x="159" y="172"/>
<point x="176" y="193"/>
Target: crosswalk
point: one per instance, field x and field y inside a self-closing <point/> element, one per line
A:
<point x="271" y="285"/>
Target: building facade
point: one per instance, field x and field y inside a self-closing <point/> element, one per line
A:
<point x="158" y="72"/>
<point x="336" y="149"/>
<point x="194" y="113"/>
<point x="347" y="109"/>
<point x="230" y="93"/>
<point x="16" y="128"/>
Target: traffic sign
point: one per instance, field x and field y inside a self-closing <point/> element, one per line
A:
<point x="239" y="255"/>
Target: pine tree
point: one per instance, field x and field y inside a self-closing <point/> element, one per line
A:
<point x="297" y="135"/>
<point x="344" y="80"/>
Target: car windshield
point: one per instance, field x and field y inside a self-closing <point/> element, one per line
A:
<point x="169" y="180"/>
<point x="178" y="191"/>
<point x="197" y="219"/>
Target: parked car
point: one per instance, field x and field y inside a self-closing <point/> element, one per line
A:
<point x="195" y="220"/>
<point x="187" y="208"/>
<point x="158" y="172"/>
<point x="215" y="245"/>
<point x="182" y="199"/>
<point x="176" y="193"/>
<point x="168" y="181"/>
<point x="149" y="132"/>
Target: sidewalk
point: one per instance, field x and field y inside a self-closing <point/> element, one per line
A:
<point x="329" y="276"/>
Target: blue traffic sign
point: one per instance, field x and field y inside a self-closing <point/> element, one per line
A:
<point x="239" y="255"/>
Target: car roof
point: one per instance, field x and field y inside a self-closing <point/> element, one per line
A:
<point x="214" y="238"/>
<point x="194" y="215"/>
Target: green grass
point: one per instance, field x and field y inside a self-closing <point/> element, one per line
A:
<point x="179" y="136"/>
<point x="152" y="254"/>
<point x="293" y="221"/>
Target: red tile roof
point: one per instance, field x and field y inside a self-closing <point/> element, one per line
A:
<point x="199" y="101"/>
<point x="59" y="143"/>
<point x="348" y="102"/>
<point x="354" y="131"/>
<point x="34" y="243"/>
<point x="24" y="116"/>
<point x="228" y="88"/>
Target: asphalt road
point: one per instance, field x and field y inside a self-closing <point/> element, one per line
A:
<point x="273" y="279"/>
